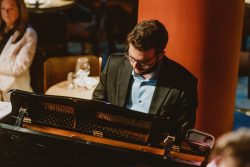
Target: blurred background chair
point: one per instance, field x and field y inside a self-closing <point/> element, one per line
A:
<point x="56" y="69"/>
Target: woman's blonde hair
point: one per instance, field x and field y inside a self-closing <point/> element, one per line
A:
<point x="234" y="145"/>
<point x="21" y="22"/>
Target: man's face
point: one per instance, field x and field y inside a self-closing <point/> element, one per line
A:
<point x="141" y="61"/>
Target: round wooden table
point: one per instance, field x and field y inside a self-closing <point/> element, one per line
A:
<point x="62" y="89"/>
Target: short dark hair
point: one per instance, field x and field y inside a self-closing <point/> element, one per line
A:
<point x="149" y="34"/>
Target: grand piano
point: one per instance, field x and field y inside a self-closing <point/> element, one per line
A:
<point x="44" y="130"/>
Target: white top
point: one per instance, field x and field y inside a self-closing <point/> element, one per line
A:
<point x="15" y="61"/>
<point x="5" y="109"/>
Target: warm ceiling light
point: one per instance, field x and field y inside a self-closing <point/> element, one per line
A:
<point x="247" y="1"/>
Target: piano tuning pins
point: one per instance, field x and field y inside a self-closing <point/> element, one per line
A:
<point x="59" y="108"/>
<point x="128" y="129"/>
<point x="144" y="124"/>
<point x="148" y="124"/>
<point x="138" y="123"/>
<point x="112" y="132"/>
<point x="103" y="116"/>
<point x="57" y="114"/>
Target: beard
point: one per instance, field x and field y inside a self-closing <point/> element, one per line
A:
<point x="151" y="69"/>
<point x="147" y="71"/>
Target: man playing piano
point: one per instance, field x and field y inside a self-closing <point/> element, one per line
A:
<point x="146" y="80"/>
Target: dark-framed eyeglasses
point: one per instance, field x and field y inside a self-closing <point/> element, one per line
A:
<point x="141" y="63"/>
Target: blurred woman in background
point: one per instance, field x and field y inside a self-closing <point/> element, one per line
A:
<point x="17" y="47"/>
<point x="232" y="150"/>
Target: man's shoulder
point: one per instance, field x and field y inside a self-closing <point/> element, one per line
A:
<point x="117" y="56"/>
<point x="117" y="59"/>
<point x="177" y="74"/>
<point x="179" y="69"/>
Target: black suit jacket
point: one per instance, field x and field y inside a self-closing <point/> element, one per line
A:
<point x="175" y="95"/>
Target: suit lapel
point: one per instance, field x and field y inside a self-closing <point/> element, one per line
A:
<point x="158" y="98"/>
<point x="123" y="83"/>
<point x="160" y="90"/>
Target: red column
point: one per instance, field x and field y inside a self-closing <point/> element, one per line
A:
<point x="204" y="36"/>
